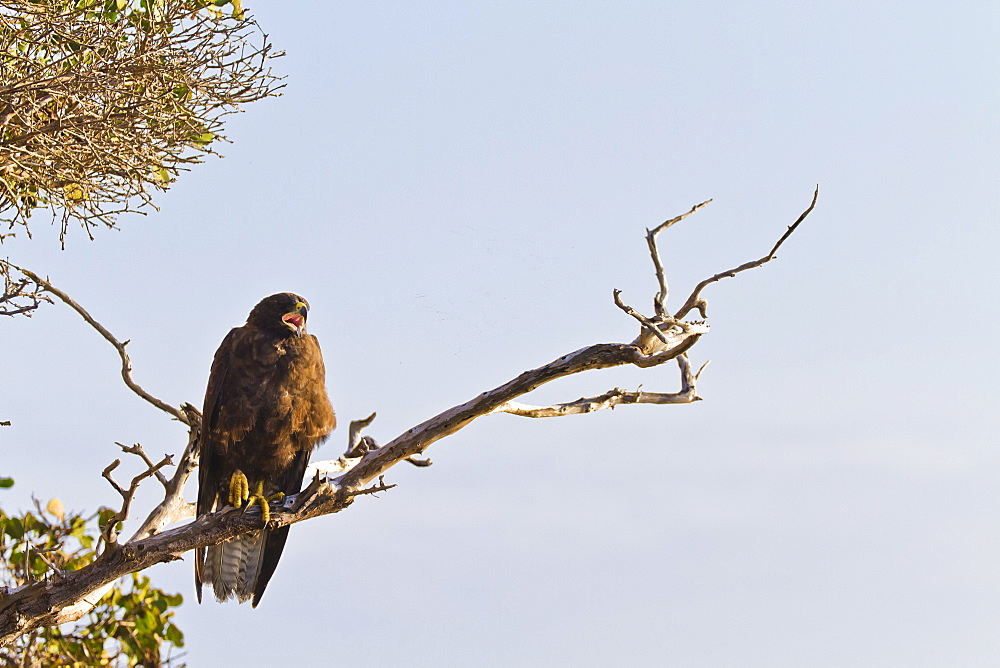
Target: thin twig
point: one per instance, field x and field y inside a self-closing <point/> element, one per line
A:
<point x="660" y="301"/>
<point x="138" y="451"/>
<point x="696" y="302"/>
<point x="109" y="532"/>
<point x="18" y="298"/>
<point x="652" y="327"/>
<point x="119" y="346"/>
<point x="374" y="489"/>
<point x="419" y="462"/>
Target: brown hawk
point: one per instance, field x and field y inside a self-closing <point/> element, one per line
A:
<point x="265" y="410"/>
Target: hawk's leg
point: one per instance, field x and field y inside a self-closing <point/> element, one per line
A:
<point x="263" y="501"/>
<point x="239" y="491"/>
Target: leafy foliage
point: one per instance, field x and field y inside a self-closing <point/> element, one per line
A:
<point x="103" y="102"/>
<point x="130" y="626"/>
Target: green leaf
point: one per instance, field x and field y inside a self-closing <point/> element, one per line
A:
<point x="77" y="527"/>
<point x="145" y="623"/>
<point x="104" y="515"/>
<point x="161" y="175"/>
<point x="6" y="482"/>
<point x="14" y="528"/>
<point x="38" y="564"/>
<point x="174" y="635"/>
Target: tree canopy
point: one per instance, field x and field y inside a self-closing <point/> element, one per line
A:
<point x="104" y="102"/>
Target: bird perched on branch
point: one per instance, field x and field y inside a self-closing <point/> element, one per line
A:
<point x="265" y="410"/>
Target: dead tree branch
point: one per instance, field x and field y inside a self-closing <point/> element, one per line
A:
<point x="21" y="295"/>
<point x="119" y="346"/>
<point x="612" y="398"/>
<point x="139" y="452"/>
<point x="660" y="301"/>
<point x="174" y="508"/>
<point x="662" y="338"/>
<point x="110" y="532"/>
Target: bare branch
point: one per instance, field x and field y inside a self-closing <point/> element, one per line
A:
<point x="660" y="301"/>
<point x="650" y="326"/>
<point x="139" y="452"/>
<point x="694" y="301"/>
<point x="21" y="295"/>
<point x="416" y="440"/>
<point x="119" y="346"/>
<point x="611" y="398"/>
<point x="174" y="508"/>
<point x="109" y="532"/>
<point x="374" y="489"/>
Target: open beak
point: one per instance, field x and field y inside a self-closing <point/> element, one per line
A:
<point x="296" y="320"/>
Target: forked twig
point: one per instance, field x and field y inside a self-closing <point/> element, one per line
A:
<point x="660" y="301"/>
<point x="139" y="452"/>
<point x="110" y="532"/>
<point x="612" y="398"/>
<point x="359" y="446"/>
<point x="174" y="508"/>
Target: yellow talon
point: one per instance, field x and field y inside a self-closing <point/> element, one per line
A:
<point x="239" y="489"/>
<point x="263" y="501"/>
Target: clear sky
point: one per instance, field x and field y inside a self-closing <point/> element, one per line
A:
<point x="457" y="188"/>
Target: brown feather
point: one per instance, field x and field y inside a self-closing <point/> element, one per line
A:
<point x="265" y="410"/>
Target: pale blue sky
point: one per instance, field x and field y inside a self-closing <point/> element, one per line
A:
<point x="457" y="188"/>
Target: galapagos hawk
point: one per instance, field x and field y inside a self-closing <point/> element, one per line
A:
<point x="265" y="410"/>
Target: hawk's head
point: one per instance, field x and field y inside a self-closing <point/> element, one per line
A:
<point x="284" y="312"/>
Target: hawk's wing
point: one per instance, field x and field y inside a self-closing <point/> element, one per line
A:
<point x="208" y="475"/>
